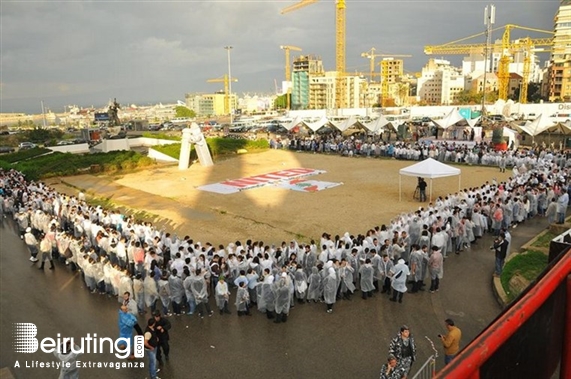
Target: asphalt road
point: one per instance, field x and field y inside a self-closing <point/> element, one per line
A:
<point x="352" y="342"/>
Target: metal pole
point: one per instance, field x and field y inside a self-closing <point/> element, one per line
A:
<point x="489" y="20"/>
<point x="228" y="48"/>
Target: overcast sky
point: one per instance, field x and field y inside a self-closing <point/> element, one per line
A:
<point x="86" y="52"/>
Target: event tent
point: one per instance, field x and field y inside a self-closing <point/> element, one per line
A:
<point x="289" y="126"/>
<point x="452" y="118"/>
<point x="315" y="126"/>
<point x="431" y="169"/>
<point x="537" y="126"/>
<point x="345" y="124"/>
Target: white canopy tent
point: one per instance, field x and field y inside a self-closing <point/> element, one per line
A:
<point x="473" y="121"/>
<point x="537" y="126"/>
<point x="345" y="124"/>
<point x="452" y="118"/>
<point x="377" y="126"/>
<point x="292" y="124"/>
<point x="431" y="169"/>
<point x="315" y="126"/>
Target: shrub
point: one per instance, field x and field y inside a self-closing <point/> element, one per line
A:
<point x="24" y="154"/>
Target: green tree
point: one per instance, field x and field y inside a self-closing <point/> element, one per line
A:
<point x="281" y="102"/>
<point x="182" y="111"/>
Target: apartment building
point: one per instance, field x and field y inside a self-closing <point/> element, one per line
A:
<point x="560" y="65"/>
<point x="440" y="83"/>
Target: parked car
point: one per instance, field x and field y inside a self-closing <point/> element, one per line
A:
<point x="26" y="145"/>
<point x="6" y="149"/>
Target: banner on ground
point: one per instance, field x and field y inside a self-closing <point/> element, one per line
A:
<point x="307" y="185"/>
<point x="237" y="185"/>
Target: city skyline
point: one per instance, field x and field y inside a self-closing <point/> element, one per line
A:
<point x="85" y="53"/>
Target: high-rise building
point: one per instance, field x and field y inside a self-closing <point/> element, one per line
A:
<point x="440" y="83"/>
<point x="560" y="67"/>
<point x="304" y="68"/>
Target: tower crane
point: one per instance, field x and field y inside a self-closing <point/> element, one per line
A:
<point x="226" y="82"/>
<point x="506" y="48"/>
<point x="287" y="49"/>
<point x="339" y="41"/>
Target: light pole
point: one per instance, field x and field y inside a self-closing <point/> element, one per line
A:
<point x="228" y="48"/>
<point x="489" y="20"/>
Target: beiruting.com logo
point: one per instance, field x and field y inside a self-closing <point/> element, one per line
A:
<point x="25" y="341"/>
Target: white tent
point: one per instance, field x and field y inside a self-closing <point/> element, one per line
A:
<point x="345" y="124"/>
<point x="537" y="126"/>
<point x="377" y="126"/>
<point x="315" y="126"/>
<point x="473" y="121"/>
<point x="452" y="118"/>
<point x="292" y="124"/>
<point x="431" y="169"/>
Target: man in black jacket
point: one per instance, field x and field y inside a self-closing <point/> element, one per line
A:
<point x="162" y="327"/>
<point x="501" y="248"/>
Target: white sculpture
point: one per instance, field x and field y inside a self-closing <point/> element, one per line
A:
<point x="193" y="135"/>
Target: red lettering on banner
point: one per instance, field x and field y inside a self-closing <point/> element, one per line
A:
<point x="267" y="178"/>
<point x="241" y="183"/>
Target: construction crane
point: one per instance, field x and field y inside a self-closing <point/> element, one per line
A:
<point x="226" y="82"/>
<point x="287" y="49"/>
<point x="506" y="48"/>
<point x="339" y="42"/>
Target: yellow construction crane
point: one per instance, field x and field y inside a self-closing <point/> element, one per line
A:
<point x="339" y="41"/>
<point x="226" y="82"/>
<point x="287" y="49"/>
<point x="506" y="48"/>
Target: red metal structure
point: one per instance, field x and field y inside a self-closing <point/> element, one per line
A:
<point x="530" y="339"/>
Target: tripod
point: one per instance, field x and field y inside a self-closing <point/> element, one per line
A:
<point x="416" y="195"/>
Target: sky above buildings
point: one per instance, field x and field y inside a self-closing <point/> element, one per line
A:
<point x="87" y="52"/>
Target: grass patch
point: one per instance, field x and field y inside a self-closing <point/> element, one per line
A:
<point x="172" y="150"/>
<point x="166" y="136"/>
<point x="62" y="164"/>
<point x="544" y="240"/>
<point x="529" y="265"/>
<point x="218" y="147"/>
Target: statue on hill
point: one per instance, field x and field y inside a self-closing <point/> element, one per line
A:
<point x="113" y="114"/>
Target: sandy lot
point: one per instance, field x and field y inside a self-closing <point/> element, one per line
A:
<point x="369" y="196"/>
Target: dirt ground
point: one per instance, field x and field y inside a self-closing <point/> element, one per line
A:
<point x="369" y="196"/>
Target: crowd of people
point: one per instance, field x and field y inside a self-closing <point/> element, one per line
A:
<point x="119" y="255"/>
<point x="462" y="151"/>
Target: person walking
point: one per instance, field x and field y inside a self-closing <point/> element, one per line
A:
<point x="330" y="289"/>
<point x="32" y="244"/>
<point x="403" y="348"/>
<point x="450" y="341"/>
<point x="127" y="322"/>
<point x="162" y="327"/>
<point x="68" y="358"/>
<point x="222" y="295"/>
<point x="398" y="280"/>
<point x="46" y="250"/>
<point x="562" y="204"/>
<point x="435" y="267"/>
<point x="151" y="343"/>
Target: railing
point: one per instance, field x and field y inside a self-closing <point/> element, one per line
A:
<point x="531" y="338"/>
<point x="428" y="369"/>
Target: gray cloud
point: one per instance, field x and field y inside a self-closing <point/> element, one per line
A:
<point x="86" y="52"/>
